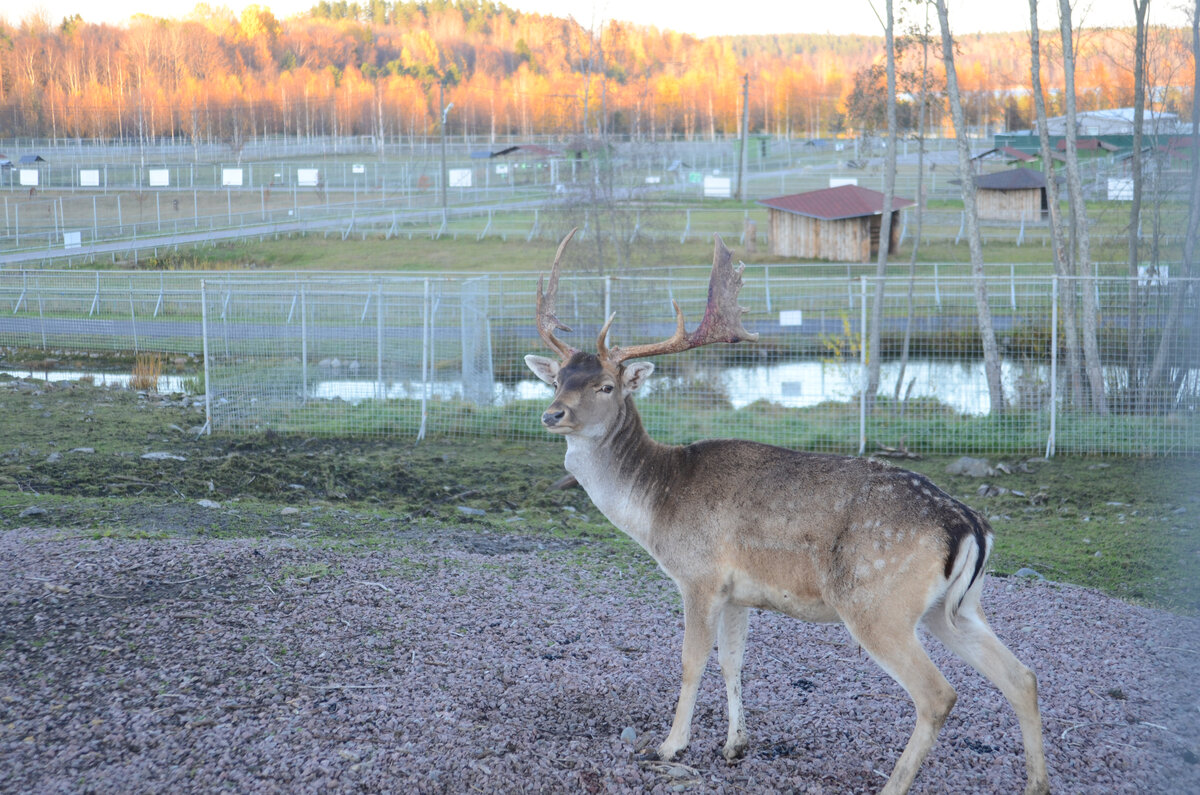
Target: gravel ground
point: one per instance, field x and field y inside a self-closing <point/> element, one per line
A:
<point x="461" y="660"/>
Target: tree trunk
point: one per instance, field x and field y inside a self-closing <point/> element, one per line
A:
<point x="1083" y="237"/>
<point x="991" y="353"/>
<point x="1155" y="379"/>
<point x="920" y="211"/>
<point x="1061" y="261"/>
<point x="885" y="221"/>
<point x="1133" y="339"/>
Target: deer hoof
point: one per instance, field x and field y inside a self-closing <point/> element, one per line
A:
<point x="667" y="753"/>
<point x="735" y="749"/>
<point x="1037" y="787"/>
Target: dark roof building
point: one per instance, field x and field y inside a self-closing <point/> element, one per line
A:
<point x="844" y="201"/>
<point x="1014" y="195"/>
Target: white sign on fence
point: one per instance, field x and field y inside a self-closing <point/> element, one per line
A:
<point x="460" y="178"/>
<point x="653" y="180"/>
<point x="718" y="187"/>
<point x="308" y="177"/>
<point x="502" y="168"/>
<point x="791" y="317"/>
<point x="29" y="177"/>
<point x="72" y="239"/>
<point x="359" y="168"/>
<point x="231" y="177"/>
<point x="837" y="182"/>
<point x="1120" y="189"/>
<point x="1153" y="275"/>
<point x="89" y="177"/>
<point x="159" y="177"/>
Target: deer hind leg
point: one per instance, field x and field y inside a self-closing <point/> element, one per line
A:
<point x="731" y="648"/>
<point x="700" y="611"/>
<point x="891" y="640"/>
<point x="969" y="636"/>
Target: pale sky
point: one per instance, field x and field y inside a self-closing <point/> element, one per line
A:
<point x="700" y="19"/>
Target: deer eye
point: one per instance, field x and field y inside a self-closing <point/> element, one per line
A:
<point x="606" y="388"/>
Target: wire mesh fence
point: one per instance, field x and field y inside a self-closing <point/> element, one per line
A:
<point x="410" y="357"/>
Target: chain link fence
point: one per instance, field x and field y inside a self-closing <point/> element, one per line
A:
<point x="410" y="357"/>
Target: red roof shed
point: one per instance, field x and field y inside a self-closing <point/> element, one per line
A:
<point x="839" y="223"/>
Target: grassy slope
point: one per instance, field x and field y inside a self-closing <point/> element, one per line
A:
<point x="1124" y="525"/>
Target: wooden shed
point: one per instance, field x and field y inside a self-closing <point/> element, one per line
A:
<point x="1012" y="195"/>
<point x="840" y="224"/>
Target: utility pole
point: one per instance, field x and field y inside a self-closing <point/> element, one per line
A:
<point x="442" y="130"/>
<point x="745" y="137"/>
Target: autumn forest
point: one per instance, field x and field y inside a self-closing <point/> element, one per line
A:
<point x="383" y="68"/>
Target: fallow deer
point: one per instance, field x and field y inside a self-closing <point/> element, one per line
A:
<point x="738" y="524"/>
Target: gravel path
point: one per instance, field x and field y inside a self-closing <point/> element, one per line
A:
<point x="496" y="663"/>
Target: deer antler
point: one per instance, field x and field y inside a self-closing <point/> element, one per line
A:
<point x="722" y="320"/>
<point x="547" y="322"/>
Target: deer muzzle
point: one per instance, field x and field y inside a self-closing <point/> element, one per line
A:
<point x="551" y="418"/>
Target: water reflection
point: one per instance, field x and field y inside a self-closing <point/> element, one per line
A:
<point x="960" y="385"/>
<point x="166" y="383"/>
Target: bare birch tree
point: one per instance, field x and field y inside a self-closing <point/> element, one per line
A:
<point x="885" y="220"/>
<point x="1155" y="380"/>
<point x="1079" y="217"/>
<point x="1062" y="266"/>
<point x="1133" y="342"/>
<point x="922" y="33"/>
<point x="991" y="352"/>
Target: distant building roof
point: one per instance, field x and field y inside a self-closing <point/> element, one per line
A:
<point x="1017" y="154"/>
<point x="1087" y="144"/>
<point x="524" y="150"/>
<point x="831" y="204"/>
<point x="1007" y="152"/>
<point x="1014" y="179"/>
<point x="31" y="159"/>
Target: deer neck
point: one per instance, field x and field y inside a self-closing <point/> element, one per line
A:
<point x="611" y="465"/>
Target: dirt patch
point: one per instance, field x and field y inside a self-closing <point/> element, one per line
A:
<point x="458" y="660"/>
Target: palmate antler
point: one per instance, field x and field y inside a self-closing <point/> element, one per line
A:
<point x="722" y="320"/>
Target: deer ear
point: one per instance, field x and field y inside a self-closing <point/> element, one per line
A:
<point x="634" y="375"/>
<point x="543" y="367"/>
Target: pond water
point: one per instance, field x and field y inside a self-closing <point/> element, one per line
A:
<point x="960" y="385"/>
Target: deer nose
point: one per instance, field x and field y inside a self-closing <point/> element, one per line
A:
<point x="551" y="418"/>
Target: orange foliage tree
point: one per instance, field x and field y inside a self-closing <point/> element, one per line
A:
<point x="374" y="68"/>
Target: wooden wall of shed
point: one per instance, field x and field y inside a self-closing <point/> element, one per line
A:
<point x="845" y="240"/>
<point x="1009" y="205"/>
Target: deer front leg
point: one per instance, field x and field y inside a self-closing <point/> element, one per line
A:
<point x="731" y="647"/>
<point x="700" y="611"/>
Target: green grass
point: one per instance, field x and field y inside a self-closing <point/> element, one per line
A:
<point x="1124" y="525"/>
<point x="505" y="249"/>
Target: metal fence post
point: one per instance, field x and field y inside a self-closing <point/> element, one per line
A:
<point x="303" y="345"/>
<point x="425" y="320"/>
<point x="133" y="316"/>
<point x="204" y="347"/>
<point x="41" y="310"/>
<point x="862" y="394"/>
<point x="1050" y="442"/>
<point x="379" y="341"/>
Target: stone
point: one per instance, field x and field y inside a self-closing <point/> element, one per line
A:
<point x="971" y="467"/>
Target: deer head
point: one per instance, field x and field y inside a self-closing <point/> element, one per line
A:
<point x="590" y="388"/>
